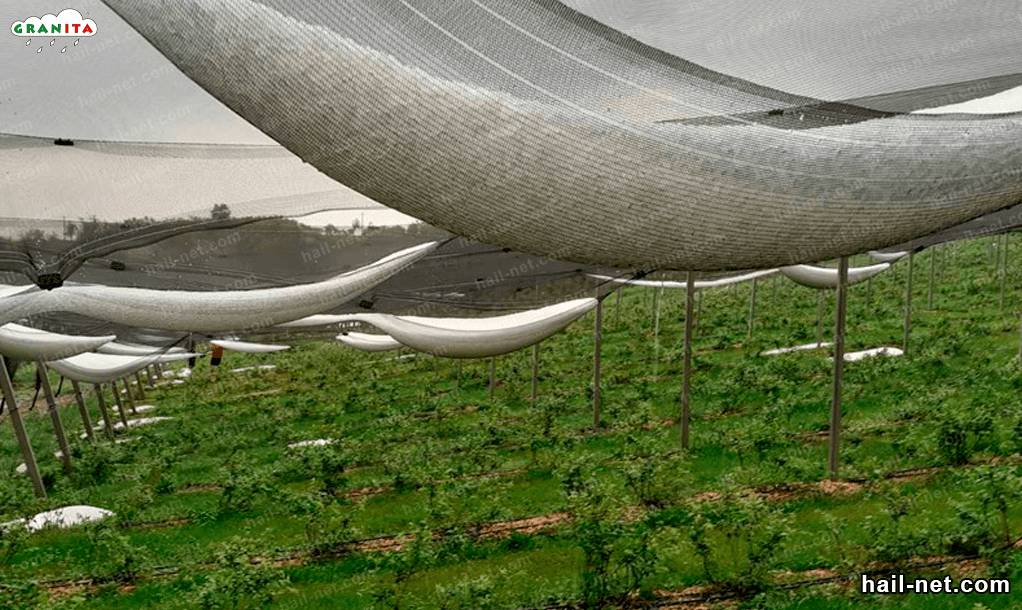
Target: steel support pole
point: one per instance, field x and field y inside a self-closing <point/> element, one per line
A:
<point x="139" y="384"/>
<point x="657" y="296"/>
<point x="686" y="382"/>
<point x="58" y="426"/>
<point x="83" y="411"/>
<point x="108" y="427"/>
<point x="908" y="306"/>
<point x="31" y="468"/>
<point x="119" y="403"/>
<point x="127" y="395"/>
<point x="597" y="325"/>
<point x="839" y="366"/>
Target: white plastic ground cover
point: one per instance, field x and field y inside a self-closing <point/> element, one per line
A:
<point x="886" y="257"/>
<point x="825" y="277"/>
<point x="369" y="342"/>
<point x="127" y="349"/>
<point x="209" y="312"/>
<point x="104" y="368"/>
<point x="68" y="516"/>
<point x="797" y="348"/>
<point x="185" y="372"/>
<point x="869" y="353"/>
<point x="17" y="341"/>
<point x="698" y="284"/>
<point x="141" y="421"/>
<point x="849" y="356"/>
<point x="478" y="337"/>
<point x="248" y="348"/>
<point x="261" y="367"/>
<point x="22" y="468"/>
<point x="319" y="442"/>
<point x="132" y="423"/>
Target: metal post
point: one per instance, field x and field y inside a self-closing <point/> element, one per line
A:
<point x="108" y="427"/>
<point x="141" y="388"/>
<point x="535" y="372"/>
<point x="83" y="410"/>
<point x="869" y="291"/>
<point x="752" y="308"/>
<point x="31" y="468"/>
<point x="597" y="324"/>
<point x="120" y="404"/>
<point x="839" y="365"/>
<point x="686" y="383"/>
<point x="127" y="395"/>
<point x="58" y="426"/>
<point x="908" y="305"/>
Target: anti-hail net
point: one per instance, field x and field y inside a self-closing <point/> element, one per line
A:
<point x="526" y="124"/>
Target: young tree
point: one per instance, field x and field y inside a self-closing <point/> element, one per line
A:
<point x="221" y="212"/>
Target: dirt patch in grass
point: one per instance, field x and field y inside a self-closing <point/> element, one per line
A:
<point x="59" y="591"/>
<point x="529" y="526"/>
<point x="839" y="488"/>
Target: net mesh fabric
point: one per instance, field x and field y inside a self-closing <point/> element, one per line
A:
<point x="531" y="126"/>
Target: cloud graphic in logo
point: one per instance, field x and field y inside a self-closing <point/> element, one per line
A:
<point x="68" y="23"/>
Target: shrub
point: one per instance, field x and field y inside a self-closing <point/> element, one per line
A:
<point x="479" y="593"/>
<point x="738" y="537"/>
<point x="237" y="581"/>
<point x="243" y="485"/>
<point x="111" y="552"/>
<point x="959" y="434"/>
<point x="655" y="477"/>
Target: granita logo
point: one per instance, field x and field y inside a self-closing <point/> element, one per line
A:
<point x="68" y="23"/>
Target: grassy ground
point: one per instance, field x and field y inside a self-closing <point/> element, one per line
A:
<point x="214" y="511"/>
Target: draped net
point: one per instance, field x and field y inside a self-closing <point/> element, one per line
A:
<point x="554" y="146"/>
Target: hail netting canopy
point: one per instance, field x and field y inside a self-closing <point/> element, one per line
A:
<point x="151" y="241"/>
<point x="526" y="124"/>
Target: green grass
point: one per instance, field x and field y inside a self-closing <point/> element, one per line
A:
<point x="442" y="457"/>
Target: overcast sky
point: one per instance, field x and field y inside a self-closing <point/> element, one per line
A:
<point x="829" y="49"/>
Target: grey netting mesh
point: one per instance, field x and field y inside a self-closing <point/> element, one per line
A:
<point x="526" y="124"/>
